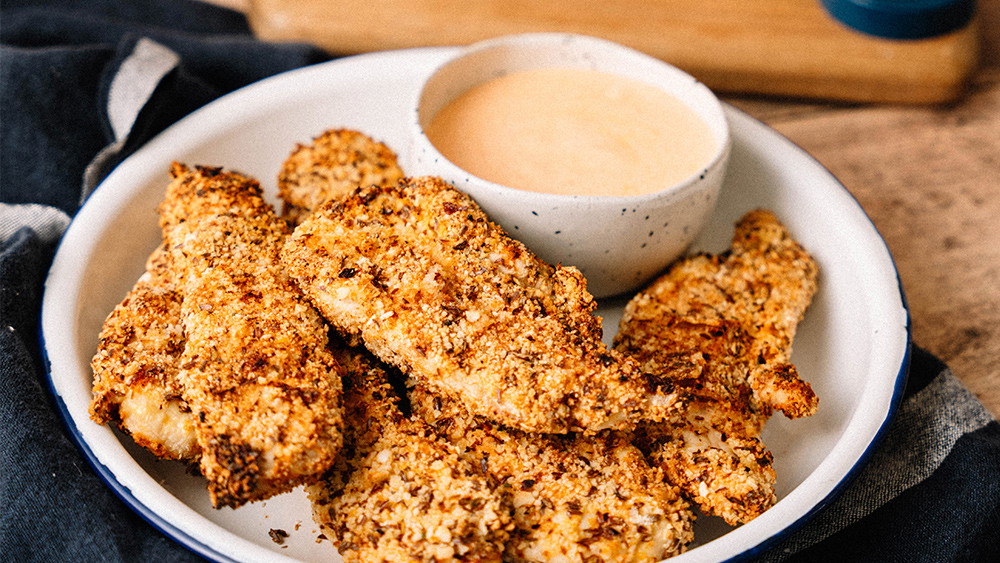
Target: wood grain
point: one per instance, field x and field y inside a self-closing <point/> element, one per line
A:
<point x="787" y="47"/>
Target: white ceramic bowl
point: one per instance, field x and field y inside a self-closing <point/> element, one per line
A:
<point x="618" y="242"/>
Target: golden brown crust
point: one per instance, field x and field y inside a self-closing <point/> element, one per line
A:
<point x="202" y="191"/>
<point x="135" y="367"/>
<point x="336" y="163"/>
<point x="412" y="499"/>
<point x="254" y="370"/>
<point x="191" y="364"/>
<point x="721" y="327"/>
<point x="421" y="276"/>
<point x="764" y="285"/>
<point x="726" y="474"/>
<point x="575" y="498"/>
<point x="399" y="492"/>
<point x="708" y="362"/>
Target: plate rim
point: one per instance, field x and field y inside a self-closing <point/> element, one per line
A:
<point x="203" y="549"/>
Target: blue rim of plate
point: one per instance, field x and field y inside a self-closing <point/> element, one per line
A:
<point x="121" y="491"/>
<point x="197" y="547"/>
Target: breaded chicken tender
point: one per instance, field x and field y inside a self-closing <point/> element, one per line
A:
<point x="722" y="327"/>
<point x="137" y="361"/>
<point x="135" y="367"/>
<point x="255" y="370"/>
<point x="333" y="165"/>
<point x="575" y="498"/>
<point x="419" y="274"/>
<point x="399" y="492"/>
<point x="712" y="450"/>
<point x="726" y="475"/>
<point x="763" y="285"/>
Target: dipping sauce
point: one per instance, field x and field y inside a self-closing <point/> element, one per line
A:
<point x="572" y="131"/>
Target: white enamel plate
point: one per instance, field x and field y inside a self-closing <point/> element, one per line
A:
<point x="852" y="346"/>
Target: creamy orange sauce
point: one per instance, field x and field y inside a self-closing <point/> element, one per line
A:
<point x="572" y="131"/>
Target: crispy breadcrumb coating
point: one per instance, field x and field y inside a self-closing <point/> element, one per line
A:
<point x="575" y="498"/>
<point x="722" y="327"/>
<point x="420" y="275"/>
<point x="399" y="492"/>
<point x="764" y="284"/>
<point x="254" y="370"/>
<point x="726" y="475"/>
<point x="333" y="165"/>
<point x="711" y="450"/>
<point x="135" y="367"/>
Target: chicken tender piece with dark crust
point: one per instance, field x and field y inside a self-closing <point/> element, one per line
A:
<point x="135" y="367"/>
<point x="333" y="165"/>
<point x="708" y="362"/>
<point x="255" y="370"/>
<point x="575" y="498"/>
<point x="721" y="327"/>
<point x="421" y="276"/>
<point x="712" y="451"/>
<point x="763" y="284"/>
<point x="399" y="492"/>
<point x="726" y="475"/>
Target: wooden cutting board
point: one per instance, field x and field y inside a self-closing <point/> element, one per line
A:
<point x="780" y="47"/>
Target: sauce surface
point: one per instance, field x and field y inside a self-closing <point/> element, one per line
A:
<point x="572" y="131"/>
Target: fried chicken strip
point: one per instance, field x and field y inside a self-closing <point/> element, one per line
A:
<point x="255" y="369"/>
<point x="722" y="327"/>
<point x="711" y="451"/>
<point x="420" y="275"/>
<point x="575" y="498"/>
<point x="398" y="492"/>
<point x="137" y="361"/>
<point x="764" y="284"/>
<point x="333" y="165"/>
<point x="135" y="366"/>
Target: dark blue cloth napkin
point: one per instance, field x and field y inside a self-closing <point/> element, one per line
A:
<point x="84" y="83"/>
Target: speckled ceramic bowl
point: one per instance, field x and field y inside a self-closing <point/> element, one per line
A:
<point x="618" y="242"/>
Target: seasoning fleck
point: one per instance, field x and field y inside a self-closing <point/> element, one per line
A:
<point x="278" y="535"/>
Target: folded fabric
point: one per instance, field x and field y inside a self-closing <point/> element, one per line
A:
<point x="59" y="62"/>
<point x="83" y="84"/>
<point x="931" y="490"/>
